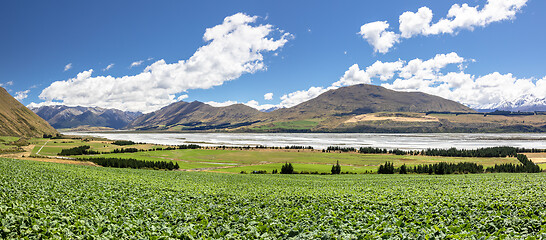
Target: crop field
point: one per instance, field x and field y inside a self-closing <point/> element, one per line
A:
<point x="49" y="200"/>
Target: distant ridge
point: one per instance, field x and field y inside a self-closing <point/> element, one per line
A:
<point x="18" y="120"/>
<point x="61" y="117"/>
<point x="196" y="116"/>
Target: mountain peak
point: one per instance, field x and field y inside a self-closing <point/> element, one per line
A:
<point x="60" y="116"/>
<point x="524" y="103"/>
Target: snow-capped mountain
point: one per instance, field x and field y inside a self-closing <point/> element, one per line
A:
<point x="525" y="103"/>
<point x="60" y="116"/>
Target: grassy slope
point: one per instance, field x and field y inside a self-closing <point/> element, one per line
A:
<point x="289" y="125"/>
<point x="17" y="120"/>
<point x="46" y="200"/>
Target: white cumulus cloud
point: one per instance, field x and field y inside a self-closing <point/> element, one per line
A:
<point x="297" y="97"/>
<point x="377" y="35"/>
<point x="433" y="76"/>
<point x="252" y="103"/>
<point x="233" y="48"/>
<point x="268" y="96"/>
<point x="21" y="95"/>
<point x="420" y="22"/>
<point x="221" y="104"/>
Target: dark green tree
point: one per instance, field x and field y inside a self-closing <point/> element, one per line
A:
<point x="336" y="169"/>
<point x="287" y="168"/>
<point x="388" y="168"/>
<point x="403" y="169"/>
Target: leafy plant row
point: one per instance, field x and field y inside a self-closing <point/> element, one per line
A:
<point x="41" y="200"/>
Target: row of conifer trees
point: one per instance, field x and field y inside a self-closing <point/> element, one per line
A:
<point x="526" y="166"/>
<point x="133" y="163"/>
<point x="451" y="152"/>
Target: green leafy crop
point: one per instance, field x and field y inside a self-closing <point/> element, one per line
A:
<point x="46" y="200"/>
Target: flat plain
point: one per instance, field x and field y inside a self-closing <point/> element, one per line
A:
<point x="235" y="160"/>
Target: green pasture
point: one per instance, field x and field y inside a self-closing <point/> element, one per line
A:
<point x="271" y="159"/>
<point x="54" y="146"/>
<point x="5" y="142"/>
<point x="298" y="167"/>
<point x="235" y="160"/>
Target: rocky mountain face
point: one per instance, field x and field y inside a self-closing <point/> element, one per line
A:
<point x="18" y="120"/>
<point x="71" y="117"/>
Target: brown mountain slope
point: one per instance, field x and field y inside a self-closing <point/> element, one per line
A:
<point x="364" y="98"/>
<point x="17" y="120"/>
<point x="196" y="116"/>
<point x="334" y="109"/>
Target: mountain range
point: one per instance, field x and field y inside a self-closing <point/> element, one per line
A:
<point x="63" y="117"/>
<point x="525" y="103"/>
<point x="196" y="116"/>
<point x="17" y="120"/>
<point x="328" y="111"/>
<point x="358" y="108"/>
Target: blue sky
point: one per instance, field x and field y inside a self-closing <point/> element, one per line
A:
<point x="314" y="46"/>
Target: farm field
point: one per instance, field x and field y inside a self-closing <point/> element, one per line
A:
<point x="5" y="142"/>
<point x="250" y="160"/>
<point x="235" y="160"/>
<point x="54" y="146"/>
<point x="49" y="200"/>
